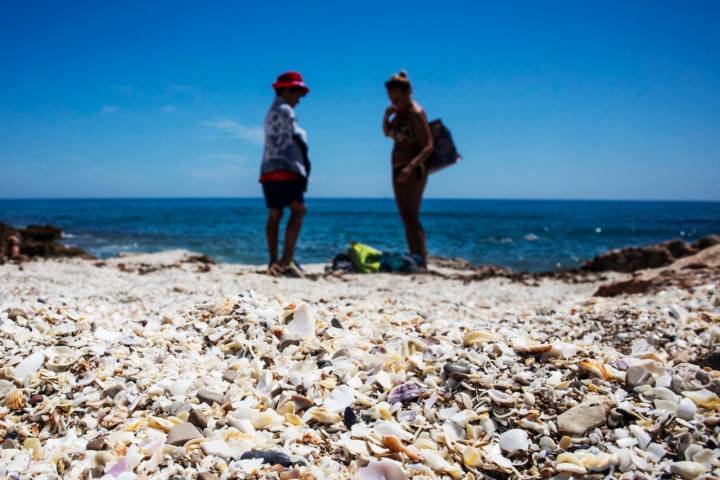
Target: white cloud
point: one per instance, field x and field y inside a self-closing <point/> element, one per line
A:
<point x="109" y="109"/>
<point x="168" y="109"/>
<point x="251" y="134"/>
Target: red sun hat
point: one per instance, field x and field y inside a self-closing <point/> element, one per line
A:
<point x="290" y="80"/>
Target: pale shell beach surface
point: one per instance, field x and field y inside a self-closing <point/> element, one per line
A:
<point x="114" y="371"/>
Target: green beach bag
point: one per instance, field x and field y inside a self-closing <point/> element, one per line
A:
<point x="365" y="259"/>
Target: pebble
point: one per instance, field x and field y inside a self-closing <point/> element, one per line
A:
<point x="198" y="419"/>
<point x="591" y="413"/>
<point x="181" y="434"/>
<point x="637" y="375"/>
<point x="210" y="397"/>
<point x="268" y="457"/>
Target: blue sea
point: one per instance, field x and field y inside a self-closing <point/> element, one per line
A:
<point x="525" y="235"/>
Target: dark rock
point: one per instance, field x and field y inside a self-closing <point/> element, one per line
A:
<point x="616" y="419"/>
<point x="349" y="418"/>
<point x="627" y="287"/>
<point x="707" y="242"/>
<point x="98" y="471"/>
<point x="638" y="258"/>
<point x="14" y="313"/>
<point x="456" y="371"/>
<point x="180" y="434"/>
<point x="10" y="444"/>
<point x="113" y="390"/>
<point x="198" y="419"/>
<point x="323" y="363"/>
<point x="268" y="457"/>
<point x="36" y="399"/>
<point x="336" y="323"/>
<point x="36" y="241"/>
<point x="98" y="444"/>
<point x="713" y="360"/>
<point x="210" y="397"/>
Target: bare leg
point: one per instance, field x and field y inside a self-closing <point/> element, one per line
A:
<point x="292" y="232"/>
<point x="408" y="196"/>
<point x="272" y="233"/>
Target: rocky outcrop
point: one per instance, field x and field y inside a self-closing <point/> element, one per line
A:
<point x="35" y="241"/>
<point x="631" y="259"/>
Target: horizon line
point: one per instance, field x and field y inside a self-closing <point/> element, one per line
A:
<point x="639" y="200"/>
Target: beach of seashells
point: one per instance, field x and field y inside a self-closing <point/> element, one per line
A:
<point x="228" y="373"/>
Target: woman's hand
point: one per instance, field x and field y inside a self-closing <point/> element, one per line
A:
<point x="405" y="174"/>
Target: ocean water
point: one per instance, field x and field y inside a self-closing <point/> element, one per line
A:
<point x="522" y="234"/>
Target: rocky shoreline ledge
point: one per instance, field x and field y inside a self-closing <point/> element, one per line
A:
<point x="169" y="366"/>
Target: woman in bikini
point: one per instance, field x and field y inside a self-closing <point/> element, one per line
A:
<point x="406" y="123"/>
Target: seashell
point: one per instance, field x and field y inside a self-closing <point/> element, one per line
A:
<point x="434" y="460"/>
<point x="28" y="366"/>
<point x="395" y="445"/>
<point x="569" y="463"/>
<point x="514" y="440"/>
<point x="60" y="359"/>
<point x="594" y="368"/>
<point x="686" y="409"/>
<point x="355" y="447"/>
<point x="479" y="337"/>
<point x="494" y="455"/>
<point x="599" y="462"/>
<point x="385" y="469"/>
<point x="219" y="448"/>
<point x="293" y="419"/>
<point x="302" y="325"/>
<point x="688" y="470"/>
<point x="525" y="345"/>
<point x="641" y="435"/>
<point x="706" y="457"/>
<point x="160" y="424"/>
<point x="472" y="457"/>
<point x="391" y="428"/>
<point x="340" y="398"/>
<point x="322" y="415"/>
<point x="703" y="398"/>
<point x="15" y="400"/>
<point x="501" y="398"/>
<point x="405" y="392"/>
<point x="267" y="419"/>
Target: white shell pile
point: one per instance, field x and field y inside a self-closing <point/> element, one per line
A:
<point x="379" y="377"/>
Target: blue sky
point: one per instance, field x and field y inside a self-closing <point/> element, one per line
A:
<point x="616" y="100"/>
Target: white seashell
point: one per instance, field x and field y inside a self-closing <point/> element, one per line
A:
<point x="29" y="366"/>
<point x="302" y="325"/>
<point x="494" y="455"/>
<point x="384" y="469"/>
<point x="667" y="405"/>
<point x="692" y="450"/>
<point x="657" y="451"/>
<point x="688" y="470"/>
<point x="705" y="456"/>
<point x="570" y="468"/>
<point x="598" y="462"/>
<point x="219" y="448"/>
<point x="642" y="436"/>
<point x="391" y="428"/>
<point x="434" y="460"/>
<point x="702" y="398"/>
<point x="340" y="398"/>
<point x="514" y="440"/>
<point x="686" y="409"/>
<point x="500" y="398"/>
<point x="267" y="419"/>
<point x="179" y="387"/>
<point x="383" y="379"/>
<point x="355" y="447"/>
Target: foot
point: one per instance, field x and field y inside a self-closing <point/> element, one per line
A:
<point x="275" y="269"/>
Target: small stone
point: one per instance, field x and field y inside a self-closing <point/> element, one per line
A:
<point x="591" y="413"/>
<point x="207" y="476"/>
<point x="616" y="419"/>
<point x="180" y="434"/>
<point x="637" y="375"/>
<point x="336" y="323"/>
<point x="688" y="470"/>
<point x="268" y="457"/>
<point x="113" y="390"/>
<point x="547" y="443"/>
<point x="405" y="392"/>
<point x="230" y="375"/>
<point x="36" y="399"/>
<point x="14" y="313"/>
<point x="97" y="444"/>
<point x="349" y="418"/>
<point x="456" y="371"/>
<point x="10" y="444"/>
<point x="713" y="360"/>
<point x="686" y="409"/>
<point x="198" y="419"/>
<point x="210" y="397"/>
<point x="98" y="471"/>
<point x="565" y="442"/>
<point x="684" y="440"/>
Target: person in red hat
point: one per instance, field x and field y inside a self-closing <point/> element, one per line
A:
<point x="284" y="171"/>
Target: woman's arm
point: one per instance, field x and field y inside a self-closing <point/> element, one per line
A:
<point x="422" y="130"/>
<point x="386" y="119"/>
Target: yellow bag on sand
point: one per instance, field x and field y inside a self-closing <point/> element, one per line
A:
<point x="365" y="259"/>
